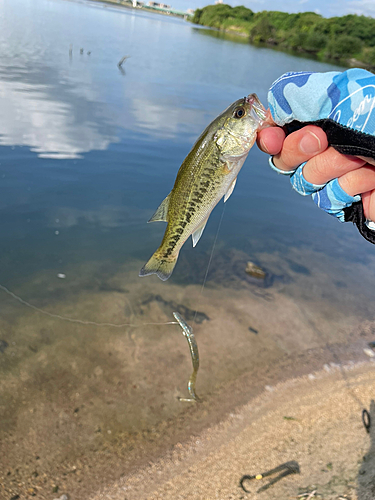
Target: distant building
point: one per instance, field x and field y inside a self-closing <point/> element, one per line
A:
<point x="218" y="1"/>
<point x="158" y="5"/>
<point x="190" y="12"/>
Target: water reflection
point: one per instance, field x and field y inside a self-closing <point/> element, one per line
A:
<point x="105" y="217"/>
<point x="41" y="110"/>
<point x="59" y="118"/>
<point x="166" y="118"/>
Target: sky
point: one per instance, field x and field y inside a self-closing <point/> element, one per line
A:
<point x="327" y="8"/>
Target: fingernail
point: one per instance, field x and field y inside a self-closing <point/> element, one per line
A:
<point x="263" y="146"/>
<point x="310" y="143"/>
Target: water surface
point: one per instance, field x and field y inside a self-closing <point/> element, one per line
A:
<point x="87" y="153"/>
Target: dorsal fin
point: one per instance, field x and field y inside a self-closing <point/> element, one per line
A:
<point x="162" y="212"/>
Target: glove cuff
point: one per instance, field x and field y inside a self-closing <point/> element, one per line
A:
<point x="301" y="185"/>
<point x="333" y="199"/>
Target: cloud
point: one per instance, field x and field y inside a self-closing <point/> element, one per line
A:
<point x="361" y="7"/>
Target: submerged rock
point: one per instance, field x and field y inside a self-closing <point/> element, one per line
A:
<point x="170" y="305"/>
<point x="255" y="270"/>
<point x="3" y="345"/>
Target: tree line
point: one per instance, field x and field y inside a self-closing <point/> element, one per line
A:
<point x="339" y="38"/>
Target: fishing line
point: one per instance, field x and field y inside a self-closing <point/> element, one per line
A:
<point x="111" y="325"/>
<point x="74" y="320"/>
<point x="188" y="330"/>
<point x="210" y="259"/>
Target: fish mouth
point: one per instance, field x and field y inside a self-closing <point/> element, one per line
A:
<point x="257" y="107"/>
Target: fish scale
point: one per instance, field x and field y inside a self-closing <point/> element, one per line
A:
<point x="207" y="174"/>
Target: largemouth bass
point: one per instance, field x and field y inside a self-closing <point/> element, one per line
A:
<point x="208" y="173"/>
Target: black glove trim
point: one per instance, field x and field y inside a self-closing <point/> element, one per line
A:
<point x="355" y="214"/>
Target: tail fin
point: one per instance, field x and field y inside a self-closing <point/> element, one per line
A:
<point x="156" y="265"/>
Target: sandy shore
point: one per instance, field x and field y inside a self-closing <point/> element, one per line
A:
<point x="314" y="420"/>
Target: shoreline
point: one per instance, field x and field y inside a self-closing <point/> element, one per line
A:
<point x="328" y="442"/>
<point x="242" y="36"/>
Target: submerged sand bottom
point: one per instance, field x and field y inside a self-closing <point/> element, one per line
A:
<point x="83" y="405"/>
<point x="314" y="421"/>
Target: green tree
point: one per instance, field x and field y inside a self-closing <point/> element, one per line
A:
<point x="262" y="31"/>
<point x="242" y="12"/>
<point x="197" y="16"/>
<point x="369" y="56"/>
<point x="337" y="37"/>
<point x="215" y="15"/>
<point x="343" y="46"/>
<point x="315" y="42"/>
<point x="297" y="41"/>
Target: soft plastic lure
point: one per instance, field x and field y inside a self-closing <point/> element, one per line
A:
<point x="188" y="333"/>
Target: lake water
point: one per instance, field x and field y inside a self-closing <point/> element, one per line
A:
<point x="87" y="153"/>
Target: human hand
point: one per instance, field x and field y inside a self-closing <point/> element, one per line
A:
<point x="327" y="141"/>
<point x="323" y="163"/>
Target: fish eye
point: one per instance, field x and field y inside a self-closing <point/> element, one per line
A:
<point x="239" y="113"/>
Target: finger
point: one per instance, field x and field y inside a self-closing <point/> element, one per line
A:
<point x="329" y="165"/>
<point x="300" y="146"/>
<point x="358" y="181"/>
<point x="270" y="140"/>
<point x="368" y="200"/>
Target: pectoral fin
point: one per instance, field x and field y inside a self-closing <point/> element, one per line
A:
<point x="162" y="212"/>
<point x="230" y="190"/>
<point x="198" y="232"/>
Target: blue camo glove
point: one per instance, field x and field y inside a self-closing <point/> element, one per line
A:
<point x="347" y="98"/>
<point x="343" y="104"/>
